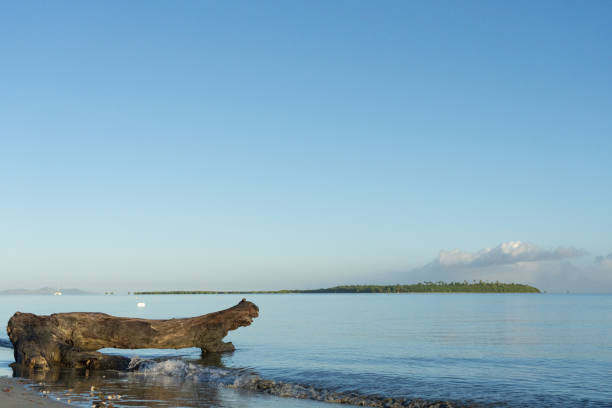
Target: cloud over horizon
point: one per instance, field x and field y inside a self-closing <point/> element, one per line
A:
<point x="556" y="270"/>
<point x="604" y="260"/>
<point x="505" y="253"/>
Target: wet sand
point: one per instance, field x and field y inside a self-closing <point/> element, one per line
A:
<point x="13" y="394"/>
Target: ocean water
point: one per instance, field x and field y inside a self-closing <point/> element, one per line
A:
<point x="511" y="350"/>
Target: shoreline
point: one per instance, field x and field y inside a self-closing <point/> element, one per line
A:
<point x="14" y="394"/>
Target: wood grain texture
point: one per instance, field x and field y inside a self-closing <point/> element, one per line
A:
<point x="72" y="339"/>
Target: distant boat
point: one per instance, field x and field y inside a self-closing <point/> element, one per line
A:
<point x="57" y="293"/>
<point x="141" y="304"/>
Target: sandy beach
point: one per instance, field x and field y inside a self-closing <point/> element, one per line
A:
<point x="13" y="394"/>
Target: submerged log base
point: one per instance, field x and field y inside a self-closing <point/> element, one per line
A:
<point x="71" y="339"/>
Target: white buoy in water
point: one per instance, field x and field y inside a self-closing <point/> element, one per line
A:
<point x="141" y="304"/>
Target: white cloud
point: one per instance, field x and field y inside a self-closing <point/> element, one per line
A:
<point x="507" y="253"/>
<point x="553" y="270"/>
<point x="604" y="261"/>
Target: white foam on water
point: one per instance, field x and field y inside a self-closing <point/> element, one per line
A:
<point x="247" y="381"/>
<point x="187" y="370"/>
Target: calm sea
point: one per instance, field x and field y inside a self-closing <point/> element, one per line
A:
<point x="519" y="350"/>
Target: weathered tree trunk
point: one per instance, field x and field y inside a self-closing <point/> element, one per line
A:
<point x="71" y="339"/>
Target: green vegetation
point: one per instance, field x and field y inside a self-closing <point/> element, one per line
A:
<point x="424" y="287"/>
<point x="216" y="292"/>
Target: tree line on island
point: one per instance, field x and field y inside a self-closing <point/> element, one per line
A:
<point x="423" y="287"/>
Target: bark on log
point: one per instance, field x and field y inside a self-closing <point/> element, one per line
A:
<point x="71" y="339"/>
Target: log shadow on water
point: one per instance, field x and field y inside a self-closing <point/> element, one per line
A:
<point x="123" y="388"/>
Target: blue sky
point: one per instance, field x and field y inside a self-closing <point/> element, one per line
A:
<point x="263" y="145"/>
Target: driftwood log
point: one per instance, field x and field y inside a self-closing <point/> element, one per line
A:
<point x="71" y="339"/>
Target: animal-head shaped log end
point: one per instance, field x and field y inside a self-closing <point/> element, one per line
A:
<point x="244" y="313"/>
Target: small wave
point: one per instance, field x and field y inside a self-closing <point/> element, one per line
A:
<point x="247" y="381"/>
<point x="184" y="370"/>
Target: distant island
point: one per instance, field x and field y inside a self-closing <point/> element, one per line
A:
<point x="424" y="287"/>
<point x="44" y="291"/>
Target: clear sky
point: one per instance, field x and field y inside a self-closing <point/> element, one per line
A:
<point x="268" y="145"/>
